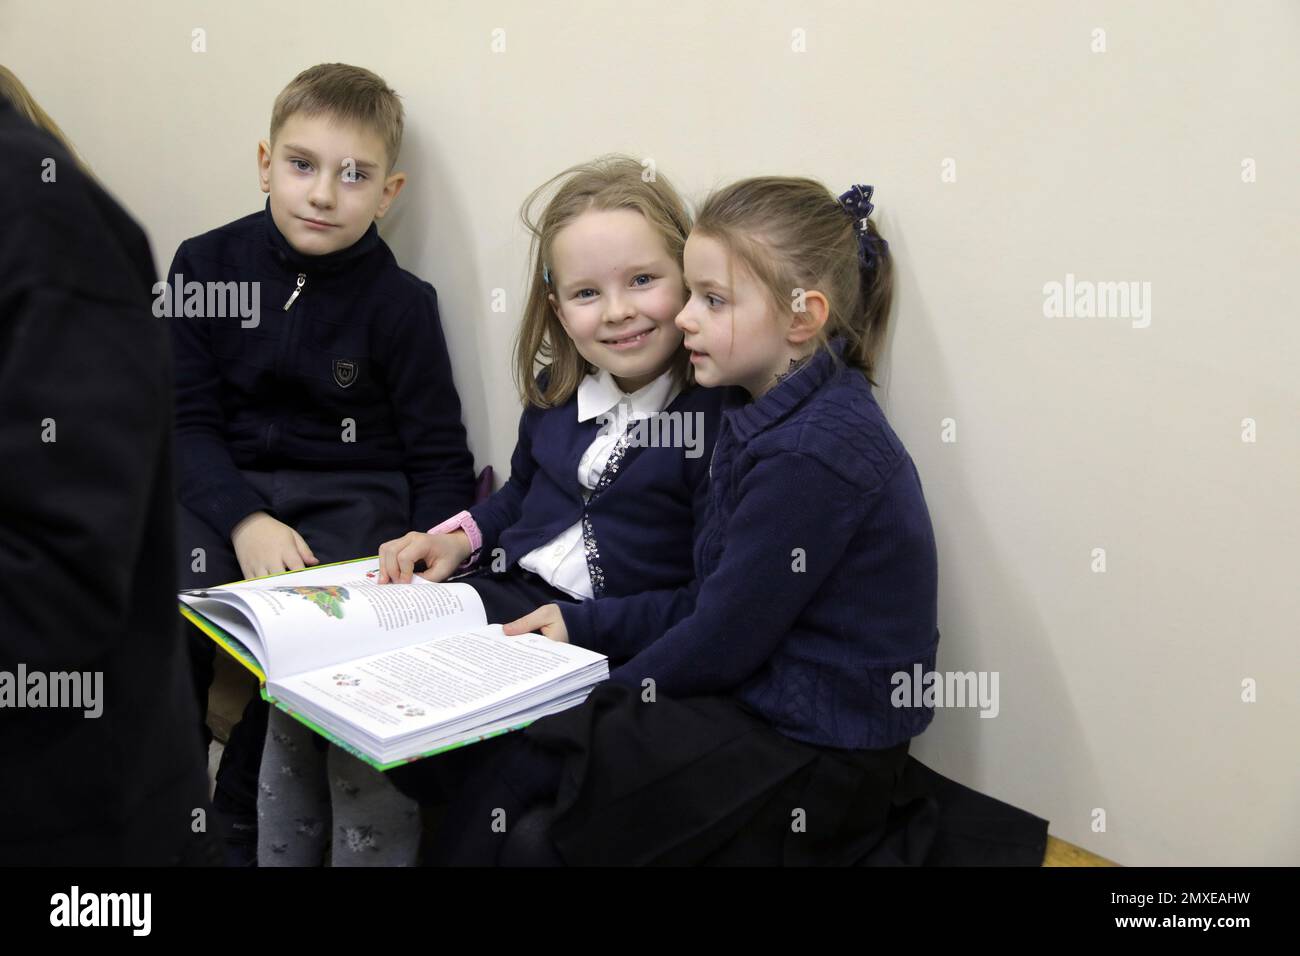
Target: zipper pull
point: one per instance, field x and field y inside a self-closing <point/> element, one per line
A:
<point x="302" y="280"/>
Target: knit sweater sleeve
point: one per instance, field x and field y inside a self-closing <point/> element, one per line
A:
<point x="793" y="520"/>
<point x="621" y="627"/>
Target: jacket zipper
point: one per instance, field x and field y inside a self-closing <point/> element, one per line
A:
<point x="302" y="280"/>
<point x="293" y="297"/>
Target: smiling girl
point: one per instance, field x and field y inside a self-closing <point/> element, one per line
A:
<point x="589" y="510"/>
<point x="754" y="721"/>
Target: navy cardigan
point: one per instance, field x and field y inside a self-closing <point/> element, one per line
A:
<point x="816" y="572"/>
<point x="643" y="523"/>
<point x="362" y="341"/>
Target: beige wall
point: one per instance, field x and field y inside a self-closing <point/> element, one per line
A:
<point x="1118" y="690"/>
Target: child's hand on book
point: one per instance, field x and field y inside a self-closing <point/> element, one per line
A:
<point x="442" y="554"/>
<point x="265" y="546"/>
<point x="547" y="619"/>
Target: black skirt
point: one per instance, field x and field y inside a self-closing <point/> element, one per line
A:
<point x="706" y="781"/>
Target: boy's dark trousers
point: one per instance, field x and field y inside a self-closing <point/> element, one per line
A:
<point x="341" y="515"/>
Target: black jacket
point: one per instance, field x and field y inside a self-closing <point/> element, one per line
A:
<point x="362" y="342"/>
<point x="87" y="573"/>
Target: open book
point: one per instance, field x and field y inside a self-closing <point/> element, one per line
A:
<point x="390" y="672"/>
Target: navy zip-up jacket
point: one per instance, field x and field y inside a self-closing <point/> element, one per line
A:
<point x="643" y="524"/>
<point x="360" y="350"/>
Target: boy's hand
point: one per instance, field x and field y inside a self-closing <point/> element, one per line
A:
<point x="442" y="554"/>
<point x="265" y="546"/>
<point x="546" y="619"/>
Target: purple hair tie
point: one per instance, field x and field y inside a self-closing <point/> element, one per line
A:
<point x="857" y="203"/>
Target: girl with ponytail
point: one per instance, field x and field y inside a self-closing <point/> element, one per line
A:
<point x="756" y="718"/>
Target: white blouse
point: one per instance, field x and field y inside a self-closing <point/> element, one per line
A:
<point x="562" y="562"/>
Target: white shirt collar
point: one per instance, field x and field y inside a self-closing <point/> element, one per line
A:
<point x="599" y="394"/>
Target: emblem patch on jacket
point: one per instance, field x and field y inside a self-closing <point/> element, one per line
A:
<point x="345" y="372"/>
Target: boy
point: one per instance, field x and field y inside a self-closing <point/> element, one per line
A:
<point x="315" y="410"/>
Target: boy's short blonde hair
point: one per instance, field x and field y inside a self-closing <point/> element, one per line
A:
<point x="348" y="93"/>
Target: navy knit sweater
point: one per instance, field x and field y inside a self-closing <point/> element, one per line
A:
<point x="362" y="341"/>
<point x="816" y="572"/>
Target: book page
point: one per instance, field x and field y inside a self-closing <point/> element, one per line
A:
<point x="437" y="682"/>
<point x="240" y="634"/>
<point x="321" y="616"/>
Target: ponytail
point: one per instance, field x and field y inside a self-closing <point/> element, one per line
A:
<point x="865" y="331"/>
<point x="792" y="233"/>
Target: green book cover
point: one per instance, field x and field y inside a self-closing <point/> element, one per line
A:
<point x="344" y="745"/>
<point x="244" y="656"/>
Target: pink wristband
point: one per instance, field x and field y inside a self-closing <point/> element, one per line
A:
<point x="463" y="521"/>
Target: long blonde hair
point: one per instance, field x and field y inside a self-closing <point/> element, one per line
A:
<point x="607" y="182"/>
<point x="12" y="89"/>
